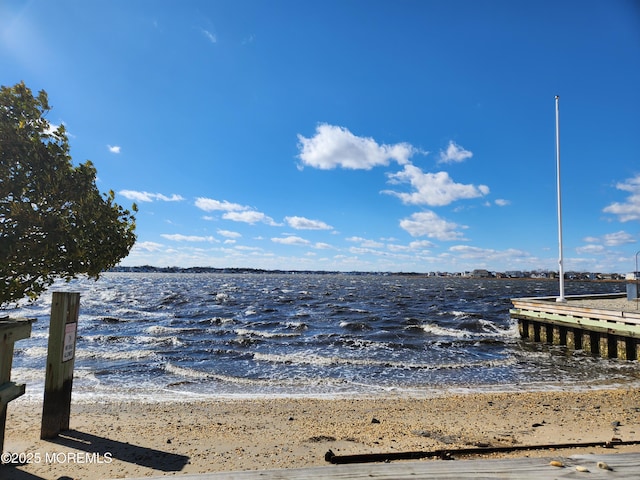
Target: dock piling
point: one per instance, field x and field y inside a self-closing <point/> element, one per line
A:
<point x="597" y="331"/>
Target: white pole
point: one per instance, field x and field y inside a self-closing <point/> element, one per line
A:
<point x="560" y="259"/>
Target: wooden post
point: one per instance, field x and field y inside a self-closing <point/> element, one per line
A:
<point x="542" y="335"/>
<point x="523" y="329"/>
<point x="559" y="335"/>
<point x="624" y="352"/>
<point x="571" y="339"/>
<point x="577" y="337"/>
<point x="56" y="408"/>
<point x="546" y="333"/>
<point x="587" y="342"/>
<point x="536" y="331"/>
<point x="11" y="330"/>
<point x="531" y="327"/>
<point x="603" y="348"/>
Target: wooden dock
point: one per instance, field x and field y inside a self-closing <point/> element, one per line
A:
<point x="611" y="466"/>
<point x="603" y="325"/>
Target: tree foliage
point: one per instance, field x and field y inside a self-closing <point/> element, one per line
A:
<point x="54" y="222"/>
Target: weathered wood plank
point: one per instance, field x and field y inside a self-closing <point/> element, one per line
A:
<point x="14" y="329"/>
<point x="10" y="391"/>
<point x="623" y="465"/>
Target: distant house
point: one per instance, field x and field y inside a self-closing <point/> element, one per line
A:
<point x="514" y="274"/>
<point x="481" y="273"/>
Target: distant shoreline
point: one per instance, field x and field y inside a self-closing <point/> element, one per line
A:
<point x="243" y="270"/>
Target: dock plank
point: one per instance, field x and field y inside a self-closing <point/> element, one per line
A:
<point x="622" y="465"/>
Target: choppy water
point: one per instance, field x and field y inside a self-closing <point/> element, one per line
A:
<point x="164" y="336"/>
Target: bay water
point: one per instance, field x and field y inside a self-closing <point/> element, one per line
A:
<point x="168" y="336"/>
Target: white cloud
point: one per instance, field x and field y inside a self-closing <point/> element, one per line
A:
<point x="502" y="202"/>
<point x="590" y="250"/>
<point x="454" y="154"/>
<point x="172" y="198"/>
<point x="433" y="189"/>
<point x="392" y="247"/>
<point x="245" y="248"/>
<point x="334" y="146"/>
<point x="148" y="246"/>
<point x="249" y="216"/>
<point x="429" y="224"/>
<point x="612" y="239"/>
<point x="366" y="243"/>
<point x="177" y="237"/>
<point x="302" y="223"/>
<point x="114" y="148"/>
<point x="630" y="209"/>
<point x="291" y="240"/>
<point x="51" y="129"/>
<point x="618" y="238"/>
<point x="229" y="234"/>
<point x="234" y="211"/>
<point x="489" y="255"/>
<point x="468" y="251"/>
<point x="210" y="36"/>
<point x="149" y="197"/>
<point x="209" y="205"/>
<point x="421" y="244"/>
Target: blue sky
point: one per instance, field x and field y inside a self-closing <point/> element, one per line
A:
<point x="349" y="135"/>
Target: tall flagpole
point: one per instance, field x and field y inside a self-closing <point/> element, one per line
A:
<point x="561" y="298"/>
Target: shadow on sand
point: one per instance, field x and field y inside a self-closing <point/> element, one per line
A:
<point x="103" y="449"/>
<point x="9" y="472"/>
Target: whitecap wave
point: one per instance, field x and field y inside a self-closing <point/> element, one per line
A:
<point x="245" y="332"/>
<point x="439" y="331"/>
<point x="33" y="352"/>
<point x="115" y="355"/>
<point x="318" y="360"/>
<point x="164" y="330"/>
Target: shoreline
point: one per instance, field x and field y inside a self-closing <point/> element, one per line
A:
<point x="80" y="397"/>
<point x="119" y="439"/>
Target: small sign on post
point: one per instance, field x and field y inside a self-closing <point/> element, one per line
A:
<point x="56" y="408"/>
<point x="69" y="345"/>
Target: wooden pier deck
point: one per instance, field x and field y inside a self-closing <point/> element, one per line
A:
<point x="603" y="325"/>
<point x="610" y="466"/>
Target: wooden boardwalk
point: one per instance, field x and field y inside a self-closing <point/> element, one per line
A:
<point x="622" y="465"/>
<point x="603" y="325"/>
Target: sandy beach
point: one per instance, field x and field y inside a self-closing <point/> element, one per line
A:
<point x="134" y="439"/>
